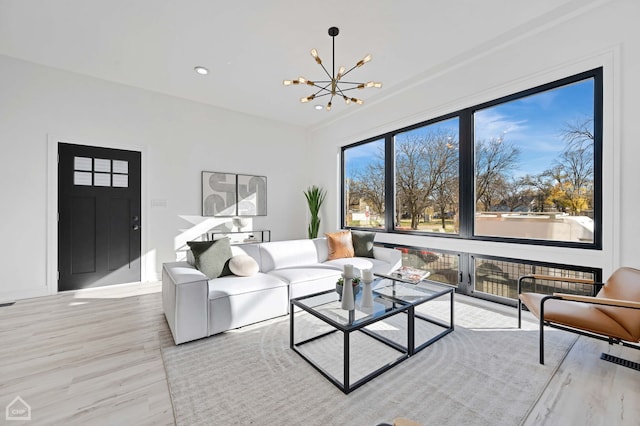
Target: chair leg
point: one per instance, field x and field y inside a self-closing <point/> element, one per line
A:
<point x="520" y="301"/>
<point x="541" y="341"/>
<point x="542" y="332"/>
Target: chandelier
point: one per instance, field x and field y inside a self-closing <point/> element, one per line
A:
<point x="335" y="86"/>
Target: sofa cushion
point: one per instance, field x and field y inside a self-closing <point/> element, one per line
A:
<point x="250" y="249"/>
<point x="284" y="254"/>
<point x="303" y="273"/>
<point x="243" y="265"/>
<point x="211" y="257"/>
<point x="363" y="243"/>
<point x="233" y="285"/>
<point x="321" y="248"/>
<point x="340" y="244"/>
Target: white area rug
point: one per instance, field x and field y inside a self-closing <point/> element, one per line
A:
<point x="486" y="372"/>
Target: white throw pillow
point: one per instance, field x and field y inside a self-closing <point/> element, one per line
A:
<point x="243" y="265"/>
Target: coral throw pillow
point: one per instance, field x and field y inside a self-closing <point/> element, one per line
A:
<point x="340" y="244"/>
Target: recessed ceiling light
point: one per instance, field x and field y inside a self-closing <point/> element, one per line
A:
<point x="318" y="107"/>
<point x="201" y="70"/>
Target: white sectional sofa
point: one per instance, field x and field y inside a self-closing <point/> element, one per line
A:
<point x="196" y="307"/>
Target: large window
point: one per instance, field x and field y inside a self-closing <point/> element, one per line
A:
<point x="534" y="165"/>
<point x="525" y="168"/>
<point x="364" y="185"/>
<point x="426" y="177"/>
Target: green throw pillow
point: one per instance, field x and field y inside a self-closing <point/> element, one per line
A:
<point x="212" y="257"/>
<point x="363" y="243"/>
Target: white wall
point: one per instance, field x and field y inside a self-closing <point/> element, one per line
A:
<point x="178" y="138"/>
<point x="605" y="36"/>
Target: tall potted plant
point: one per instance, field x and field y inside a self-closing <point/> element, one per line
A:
<point x="315" y="198"/>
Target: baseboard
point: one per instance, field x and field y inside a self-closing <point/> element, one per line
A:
<point x="12" y="296"/>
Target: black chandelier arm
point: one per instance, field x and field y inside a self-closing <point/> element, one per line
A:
<point x="316" y="95"/>
<point x="339" y="90"/>
<point x="346" y="90"/>
<point x="350" y="82"/>
<point x="351" y="69"/>
<point x="325" y="70"/>
<point x="322" y="88"/>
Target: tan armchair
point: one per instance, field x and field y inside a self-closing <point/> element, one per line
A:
<point x="612" y="315"/>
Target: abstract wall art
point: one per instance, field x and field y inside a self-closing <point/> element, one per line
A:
<point x="231" y="194"/>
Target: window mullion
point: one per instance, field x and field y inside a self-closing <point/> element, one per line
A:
<point x="467" y="168"/>
<point x="389" y="183"/>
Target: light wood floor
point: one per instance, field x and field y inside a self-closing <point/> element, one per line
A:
<point x="93" y="357"/>
<point x="87" y="358"/>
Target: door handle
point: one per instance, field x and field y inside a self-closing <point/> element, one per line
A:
<point x="136" y="227"/>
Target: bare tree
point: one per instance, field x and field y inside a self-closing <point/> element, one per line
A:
<point x="445" y="192"/>
<point x="412" y="188"/>
<point x="540" y="188"/>
<point x="494" y="158"/>
<point x="514" y="193"/>
<point x="368" y="185"/>
<point x="579" y="133"/>
<point x="572" y="172"/>
<point x="423" y="163"/>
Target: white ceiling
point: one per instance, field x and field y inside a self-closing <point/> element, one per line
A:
<point x="250" y="46"/>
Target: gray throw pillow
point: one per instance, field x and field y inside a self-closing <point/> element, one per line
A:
<point x="212" y="257"/>
<point x="363" y="243"/>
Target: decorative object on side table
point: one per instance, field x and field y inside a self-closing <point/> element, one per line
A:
<point x="348" y="298"/>
<point x="367" y="294"/>
<point x="240" y="222"/>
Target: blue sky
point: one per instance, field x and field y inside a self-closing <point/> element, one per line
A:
<point x="533" y="124"/>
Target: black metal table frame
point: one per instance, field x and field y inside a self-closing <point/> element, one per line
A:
<point x="406" y="351"/>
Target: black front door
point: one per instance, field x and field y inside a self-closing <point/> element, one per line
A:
<point x="98" y="216"/>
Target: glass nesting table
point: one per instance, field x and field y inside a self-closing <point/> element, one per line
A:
<point x="392" y="299"/>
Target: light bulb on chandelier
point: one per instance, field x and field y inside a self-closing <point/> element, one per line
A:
<point x="335" y="86"/>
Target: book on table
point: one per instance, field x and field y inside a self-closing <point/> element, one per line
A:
<point x="409" y="274"/>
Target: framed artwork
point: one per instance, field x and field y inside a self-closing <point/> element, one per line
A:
<point x="218" y="194"/>
<point x="252" y="195"/>
<point x="231" y="194"/>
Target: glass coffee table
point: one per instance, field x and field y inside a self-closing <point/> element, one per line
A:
<point x="391" y="297"/>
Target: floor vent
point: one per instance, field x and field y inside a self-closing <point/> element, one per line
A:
<point x="620" y="361"/>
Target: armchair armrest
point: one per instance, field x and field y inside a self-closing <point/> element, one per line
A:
<point x="555" y="278"/>
<point x="561" y="279"/>
<point x="185" y="297"/>
<point x="599" y="300"/>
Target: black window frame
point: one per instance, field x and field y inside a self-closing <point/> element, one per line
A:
<point x="467" y="168"/>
